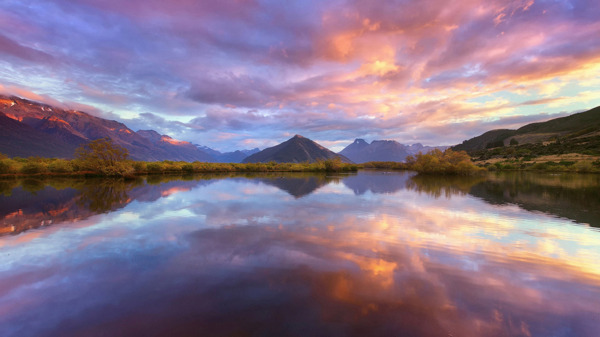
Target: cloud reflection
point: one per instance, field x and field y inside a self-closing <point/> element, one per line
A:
<point x="332" y="262"/>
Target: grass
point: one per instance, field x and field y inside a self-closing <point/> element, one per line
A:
<point x="129" y="168"/>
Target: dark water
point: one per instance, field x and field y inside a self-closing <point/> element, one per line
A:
<point x="372" y="254"/>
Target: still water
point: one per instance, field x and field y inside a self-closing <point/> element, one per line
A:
<point x="369" y="254"/>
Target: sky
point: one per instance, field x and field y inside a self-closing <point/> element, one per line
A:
<point x="241" y="74"/>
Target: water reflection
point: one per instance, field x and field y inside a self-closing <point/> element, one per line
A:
<point x="297" y="184"/>
<point x="566" y="195"/>
<point x="35" y="203"/>
<point x="377" y="181"/>
<point x="373" y="254"/>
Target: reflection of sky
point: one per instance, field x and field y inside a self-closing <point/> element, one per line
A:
<point x="237" y="254"/>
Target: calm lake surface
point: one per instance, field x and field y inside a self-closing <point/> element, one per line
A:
<point x="368" y="254"/>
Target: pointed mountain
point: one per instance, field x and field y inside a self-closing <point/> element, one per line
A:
<point x="298" y="187"/>
<point x="295" y="150"/>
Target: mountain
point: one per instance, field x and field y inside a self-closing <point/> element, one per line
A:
<point x="182" y="150"/>
<point x="35" y="129"/>
<point x="21" y="140"/>
<point x="361" y="151"/>
<point x="233" y="157"/>
<point x="418" y="147"/>
<point x="295" y="150"/>
<point x="379" y="150"/>
<point x="571" y="128"/>
<point x="227" y="157"/>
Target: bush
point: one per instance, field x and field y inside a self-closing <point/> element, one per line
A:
<point x="121" y="169"/>
<point x="438" y="162"/>
<point x="7" y="166"/>
<point x="60" y="166"/>
<point x="33" y="167"/>
<point x="154" y="167"/>
<point x="584" y="166"/>
<point x="187" y="168"/>
<point x="139" y="166"/>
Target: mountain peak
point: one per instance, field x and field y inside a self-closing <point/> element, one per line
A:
<point x="360" y="141"/>
<point x="297" y="149"/>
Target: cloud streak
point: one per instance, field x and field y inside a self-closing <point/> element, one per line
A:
<point x="331" y="71"/>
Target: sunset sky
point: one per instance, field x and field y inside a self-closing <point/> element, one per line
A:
<point x="244" y="74"/>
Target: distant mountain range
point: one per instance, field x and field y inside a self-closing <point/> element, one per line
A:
<point x="383" y="150"/>
<point x="295" y="150"/>
<point x="30" y="128"/>
<point x="577" y="129"/>
<point x="228" y="157"/>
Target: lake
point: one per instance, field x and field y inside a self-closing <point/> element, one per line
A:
<point x="367" y="254"/>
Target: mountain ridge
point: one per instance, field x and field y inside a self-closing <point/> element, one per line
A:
<point x="360" y="151"/>
<point x="30" y="128"/>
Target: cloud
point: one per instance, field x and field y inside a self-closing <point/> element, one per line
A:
<point x="329" y="70"/>
<point x="11" y="48"/>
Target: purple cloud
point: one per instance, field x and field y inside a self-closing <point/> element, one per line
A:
<point x="332" y="71"/>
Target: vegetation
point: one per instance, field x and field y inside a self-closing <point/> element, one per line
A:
<point x="433" y="162"/>
<point x="583" y="166"/>
<point x="558" y="145"/>
<point x="438" y="162"/>
<point x="103" y="158"/>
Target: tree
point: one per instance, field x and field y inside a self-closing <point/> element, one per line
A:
<point x="514" y="142"/>
<point x="101" y="155"/>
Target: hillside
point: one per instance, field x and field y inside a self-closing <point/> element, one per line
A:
<point x="574" y="132"/>
<point x="35" y="129"/>
<point x="295" y="150"/>
<point x="21" y="140"/>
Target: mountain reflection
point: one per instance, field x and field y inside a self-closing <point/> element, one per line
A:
<point x="34" y="203"/>
<point x="297" y="185"/>
<point x="566" y="195"/>
<point x="377" y="181"/>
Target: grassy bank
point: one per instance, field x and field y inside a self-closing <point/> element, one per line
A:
<point x="544" y="164"/>
<point x="130" y="168"/>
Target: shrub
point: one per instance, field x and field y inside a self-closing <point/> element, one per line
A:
<point x="121" y="169"/>
<point x="33" y="167"/>
<point x="438" y="162"/>
<point x="584" y="166"/>
<point x="60" y="166"/>
<point x="139" y="166"/>
<point x="154" y="167"/>
<point x="7" y="166"/>
<point x="187" y="168"/>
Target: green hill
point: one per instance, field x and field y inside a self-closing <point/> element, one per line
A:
<point x="578" y="133"/>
